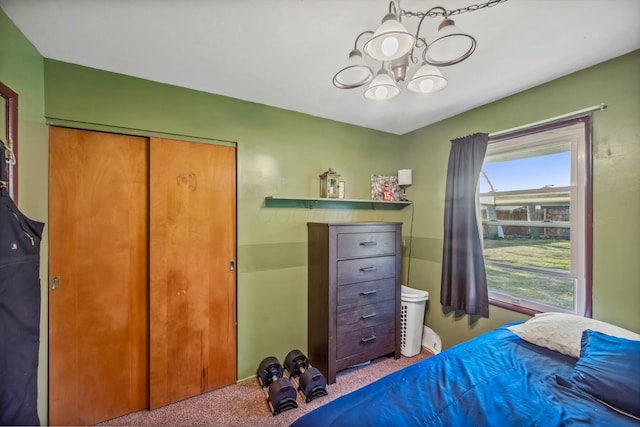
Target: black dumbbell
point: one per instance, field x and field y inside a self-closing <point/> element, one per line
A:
<point x="279" y="391"/>
<point x="311" y="382"/>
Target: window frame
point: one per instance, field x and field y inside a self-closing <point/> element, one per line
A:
<point x="585" y="155"/>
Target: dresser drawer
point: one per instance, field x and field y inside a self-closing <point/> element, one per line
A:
<point x="366" y="269"/>
<point x="351" y="245"/>
<point x="352" y="319"/>
<point x="357" y="294"/>
<point x="369" y="339"/>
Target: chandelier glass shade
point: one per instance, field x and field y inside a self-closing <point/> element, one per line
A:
<point x="428" y="79"/>
<point x="382" y="87"/>
<point x="392" y="45"/>
<point x="390" y="41"/>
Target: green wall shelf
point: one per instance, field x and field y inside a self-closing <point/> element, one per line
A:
<point x="322" y="203"/>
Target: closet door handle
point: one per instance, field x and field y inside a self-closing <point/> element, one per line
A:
<point x="368" y="316"/>
<point x="365" y="269"/>
<point x="367" y="339"/>
<point x="371" y="292"/>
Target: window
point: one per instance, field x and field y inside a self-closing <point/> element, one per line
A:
<point x="535" y="209"/>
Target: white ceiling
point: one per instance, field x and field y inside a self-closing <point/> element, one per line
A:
<point x="284" y="53"/>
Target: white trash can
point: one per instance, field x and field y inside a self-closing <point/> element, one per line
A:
<point x="412" y="307"/>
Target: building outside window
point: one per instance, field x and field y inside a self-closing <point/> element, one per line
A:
<point x="535" y="210"/>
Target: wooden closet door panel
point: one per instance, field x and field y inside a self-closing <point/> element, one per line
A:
<point x="192" y="288"/>
<point x="98" y="357"/>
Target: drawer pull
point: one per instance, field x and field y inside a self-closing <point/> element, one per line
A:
<point x="371" y="292"/>
<point x="368" y="243"/>
<point x="368" y="269"/>
<point x="367" y="339"/>
<point x="368" y="316"/>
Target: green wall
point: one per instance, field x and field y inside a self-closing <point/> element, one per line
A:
<point x="21" y="68"/>
<point x="282" y="153"/>
<point x="616" y="188"/>
<point x="279" y="152"/>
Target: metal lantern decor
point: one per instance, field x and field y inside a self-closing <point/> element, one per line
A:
<point x="329" y="182"/>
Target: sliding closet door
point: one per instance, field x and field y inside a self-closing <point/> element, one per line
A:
<point x="98" y="353"/>
<point x="192" y="264"/>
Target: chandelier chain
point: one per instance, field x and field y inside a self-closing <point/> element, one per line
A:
<point x="434" y="14"/>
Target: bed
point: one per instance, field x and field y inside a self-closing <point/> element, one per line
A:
<point x="566" y="371"/>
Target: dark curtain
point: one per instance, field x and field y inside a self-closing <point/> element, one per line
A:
<point x="464" y="280"/>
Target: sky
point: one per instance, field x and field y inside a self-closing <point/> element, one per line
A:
<point x="528" y="173"/>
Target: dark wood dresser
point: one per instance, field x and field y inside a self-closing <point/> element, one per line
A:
<point x="353" y="293"/>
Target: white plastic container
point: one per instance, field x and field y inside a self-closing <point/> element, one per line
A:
<point x="412" y="305"/>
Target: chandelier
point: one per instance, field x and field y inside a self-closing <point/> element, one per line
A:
<point x="394" y="48"/>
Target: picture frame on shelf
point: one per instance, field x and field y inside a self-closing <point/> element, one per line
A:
<point x="385" y="188"/>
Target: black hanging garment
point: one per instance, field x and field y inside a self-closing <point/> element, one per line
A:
<point x="19" y="311"/>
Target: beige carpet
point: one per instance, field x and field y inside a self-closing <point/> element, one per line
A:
<point x="244" y="404"/>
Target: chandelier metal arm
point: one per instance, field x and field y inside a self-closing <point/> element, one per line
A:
<point x="420" y="43"/>
<point x="393" y="9"/>
<point x="445" y="13"/>
<point x="355" y="45"/>
<point x="422" y="40"/>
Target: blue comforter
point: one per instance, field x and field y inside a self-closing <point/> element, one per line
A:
<point x="496" y="379"/>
